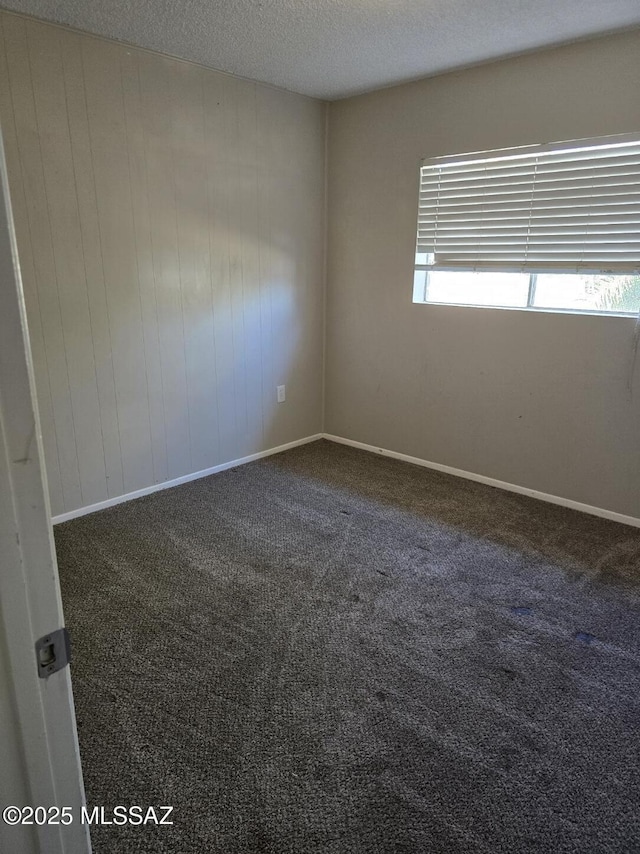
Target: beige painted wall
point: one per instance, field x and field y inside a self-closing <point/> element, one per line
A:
<point x="170" y="223"/>
<point x="170" y="227"/>
<point x="538" y="400"/>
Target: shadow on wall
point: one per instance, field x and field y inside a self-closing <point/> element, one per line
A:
<point x="170" y="229"/>
<point x="232" y="325"/>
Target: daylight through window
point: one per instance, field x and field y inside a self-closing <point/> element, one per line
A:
<point x="554" y="227"/>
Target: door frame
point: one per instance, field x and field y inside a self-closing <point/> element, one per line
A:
<point x="39" y="754"/>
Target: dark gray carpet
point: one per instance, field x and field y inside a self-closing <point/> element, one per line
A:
<point x="330" y="651"/>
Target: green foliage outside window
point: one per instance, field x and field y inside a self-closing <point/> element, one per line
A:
<point x="615" y="293"/>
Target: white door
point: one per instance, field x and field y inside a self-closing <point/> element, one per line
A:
<point x="39" y="758"/>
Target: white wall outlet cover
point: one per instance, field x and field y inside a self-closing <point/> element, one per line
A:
<point x="281" y="393"/>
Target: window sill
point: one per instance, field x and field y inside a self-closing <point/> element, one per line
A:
<point x="534" y="309"/>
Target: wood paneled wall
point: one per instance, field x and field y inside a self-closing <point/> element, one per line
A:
<point x="170" y="227"/>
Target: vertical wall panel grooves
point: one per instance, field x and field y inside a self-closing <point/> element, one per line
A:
<point x="169" y="224"/>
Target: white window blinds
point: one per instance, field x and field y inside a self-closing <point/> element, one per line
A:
<point x="569" y="207"/>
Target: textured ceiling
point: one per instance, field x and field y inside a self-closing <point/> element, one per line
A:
<point x="333" y="48"/>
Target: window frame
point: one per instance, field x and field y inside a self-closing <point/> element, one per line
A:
<point x="428" y="270"/>
<point x="523" y="267"/>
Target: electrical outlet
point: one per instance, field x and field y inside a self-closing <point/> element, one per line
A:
<point x="281" y="394"/>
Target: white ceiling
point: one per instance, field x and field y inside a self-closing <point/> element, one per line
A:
<point x="334" y="48"/>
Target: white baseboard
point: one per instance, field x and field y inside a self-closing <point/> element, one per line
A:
<point x="479" y="478"/>
<point x="489" y="481"/>
<point x="167" y="484"/>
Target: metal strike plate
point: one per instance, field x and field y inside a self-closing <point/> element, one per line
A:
<point x="53" y="652"/>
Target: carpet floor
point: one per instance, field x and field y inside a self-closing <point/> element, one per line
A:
<point x="332" y="651"/>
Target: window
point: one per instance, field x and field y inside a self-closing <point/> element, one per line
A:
<point x="553" y="227"/>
